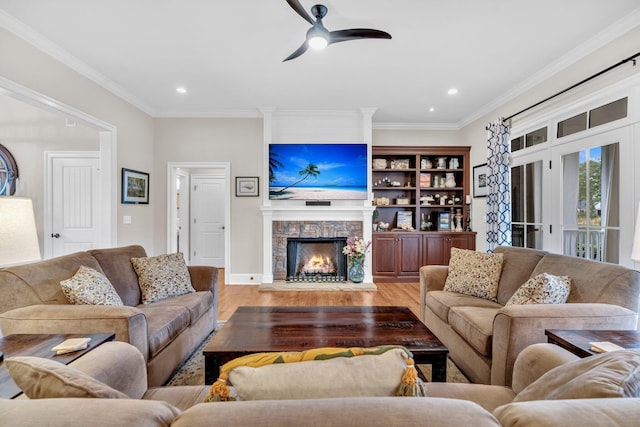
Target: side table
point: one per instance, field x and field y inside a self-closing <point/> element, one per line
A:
<point x="39" y="345"/>
<point x="577" y="341"/>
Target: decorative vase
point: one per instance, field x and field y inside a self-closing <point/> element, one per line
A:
<point x="356" y="271"/>
<point x="450" y="182"/>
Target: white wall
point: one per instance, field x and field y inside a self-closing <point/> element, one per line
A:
<point x="25" y="65"/>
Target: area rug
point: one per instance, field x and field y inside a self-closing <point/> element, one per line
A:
<point x="191" y="372"/>
<point x="316" y="286"/>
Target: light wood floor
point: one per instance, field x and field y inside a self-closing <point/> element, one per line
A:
<point x="231" y="297"/>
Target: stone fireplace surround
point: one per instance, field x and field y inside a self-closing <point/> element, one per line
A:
<point x="282" y="230"/>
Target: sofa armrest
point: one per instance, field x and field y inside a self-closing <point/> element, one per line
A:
<point x="535" y="361"/>
<point x="432" y="278"/>
<point x="128" y="323"/>
<point x="516" y="327"/>
<point x="204" y="278"/>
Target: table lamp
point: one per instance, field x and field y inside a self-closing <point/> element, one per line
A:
<point x="635" y="252"/>
<point x="18" y="234"/>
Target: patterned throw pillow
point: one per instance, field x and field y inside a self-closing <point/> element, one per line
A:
<point x="474" y="273"/>
<point x="543" y="289"/>
<point x="90" y="287"/>
<point x="162" y="277"/>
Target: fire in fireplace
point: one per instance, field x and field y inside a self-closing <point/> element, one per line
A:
<point x="316" y="259"/>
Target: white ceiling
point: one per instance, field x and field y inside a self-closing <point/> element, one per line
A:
<point x="229" y="54"/>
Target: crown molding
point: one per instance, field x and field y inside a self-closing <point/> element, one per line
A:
<point x="222" y="113"/>
<point x="415" y="126"/>
<point x="622" y="26"/>
<point x="40" y="42"/>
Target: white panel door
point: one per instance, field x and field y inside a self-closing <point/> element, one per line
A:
<point x="207" y="220"/>
<point x="75" y="206"/>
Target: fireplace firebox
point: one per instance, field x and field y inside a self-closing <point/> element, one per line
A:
<point x="316" y="259"/>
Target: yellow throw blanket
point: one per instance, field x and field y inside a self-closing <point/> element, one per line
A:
<point x="409" y="386"/>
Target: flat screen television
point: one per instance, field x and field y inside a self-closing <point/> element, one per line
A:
<point x="318" y="171"/>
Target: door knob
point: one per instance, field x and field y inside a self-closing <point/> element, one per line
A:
<point x="57" y="235"/>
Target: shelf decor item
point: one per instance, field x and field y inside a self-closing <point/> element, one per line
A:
<point x="355" y="250"/>
<point x="444" y="221"/>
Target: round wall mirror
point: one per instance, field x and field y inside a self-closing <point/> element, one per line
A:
<point x="8" y="172"/>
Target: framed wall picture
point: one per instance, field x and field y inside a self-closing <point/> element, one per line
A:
<point x="480" y="181"/>
<point x="135" y="187"/>
<point x="444" y="221"/>
<point x="247" y="186"/>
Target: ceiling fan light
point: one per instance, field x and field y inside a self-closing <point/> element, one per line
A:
<point x="318" y="42"/>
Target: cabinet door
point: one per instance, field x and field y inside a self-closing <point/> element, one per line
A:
<point x="434" y="249"/>
<point x="409" y="254"/>
<point x="384" y="254"/>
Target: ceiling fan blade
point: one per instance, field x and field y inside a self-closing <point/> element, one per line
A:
<point x="302" y="49"/>
<point x="295" y="5"/>
<point x="357" y="33"/>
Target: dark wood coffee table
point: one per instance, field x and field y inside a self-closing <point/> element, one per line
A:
<point x="39" y="345"/>
<point x="577" y="341"/>
<point x="274" y="329"/>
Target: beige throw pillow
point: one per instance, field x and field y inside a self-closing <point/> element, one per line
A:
<point x="162" y="276"/>
<point x="41" y="378"/>
<point x="90" y="287"/>
<point x="367" y="375"/>
<point x="543" y="289"/>
<point x="615" y="374"/>
<point x="474" y="273"/>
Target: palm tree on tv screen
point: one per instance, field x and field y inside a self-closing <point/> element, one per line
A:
<point x="310" y="171"/>
<point x="273" y="165"/>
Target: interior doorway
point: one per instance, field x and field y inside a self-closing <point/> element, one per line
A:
<point x="181" y="211"/>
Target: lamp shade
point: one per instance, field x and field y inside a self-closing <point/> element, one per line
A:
<point x="18" y="234"/>
<point x="635" y="252"/>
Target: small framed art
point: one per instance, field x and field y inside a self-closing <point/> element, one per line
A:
<point x="480" y="181"/>
<point x="247" y="186"/>
<point x="135" y="187"/>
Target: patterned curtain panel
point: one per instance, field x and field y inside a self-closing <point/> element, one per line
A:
<point x="498" y="187"/>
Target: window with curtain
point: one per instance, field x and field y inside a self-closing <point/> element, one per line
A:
<point x="591" y="203"/>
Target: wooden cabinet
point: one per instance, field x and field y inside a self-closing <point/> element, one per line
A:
<point x="416" y="191"/>
<point x="398" y="256"/>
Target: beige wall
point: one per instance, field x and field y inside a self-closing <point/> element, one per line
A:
<point x="30" y="67"/>
<point x="238" y="142"/>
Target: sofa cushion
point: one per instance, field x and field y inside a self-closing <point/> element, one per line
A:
<point x="439" y="302"/>
<point x="90" y="287"/>
<point x="198" y="303"/>
<point x="474" y="273"/>
<point x="517" y="267"/>
<point x="116" y="264"/>
<point x="164" y="324"/>
<point x="162" y="276"/>
<point x="543" y="289"/>
<point x="41" y="378"/>
<point x="615" y="374"/>
<point x="595" y="282"/>
<point x="475" y="325"/>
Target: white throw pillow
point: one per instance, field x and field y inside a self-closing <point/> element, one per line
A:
<point x="162" y="276"/>
<point x="90" y="287"/>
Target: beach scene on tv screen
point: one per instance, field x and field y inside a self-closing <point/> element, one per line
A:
<point x="317" y="171"/>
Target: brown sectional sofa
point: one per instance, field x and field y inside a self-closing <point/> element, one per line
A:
<point x="484" y="337"/>
<point x="166" y="332"/>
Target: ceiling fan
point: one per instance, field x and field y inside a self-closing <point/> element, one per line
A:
<point x="318" y="37"/>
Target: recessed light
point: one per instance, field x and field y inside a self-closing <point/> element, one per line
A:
<point x="432" y="109"/>
<point x="452" y="91"/>
<point x="181" y="89"/>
